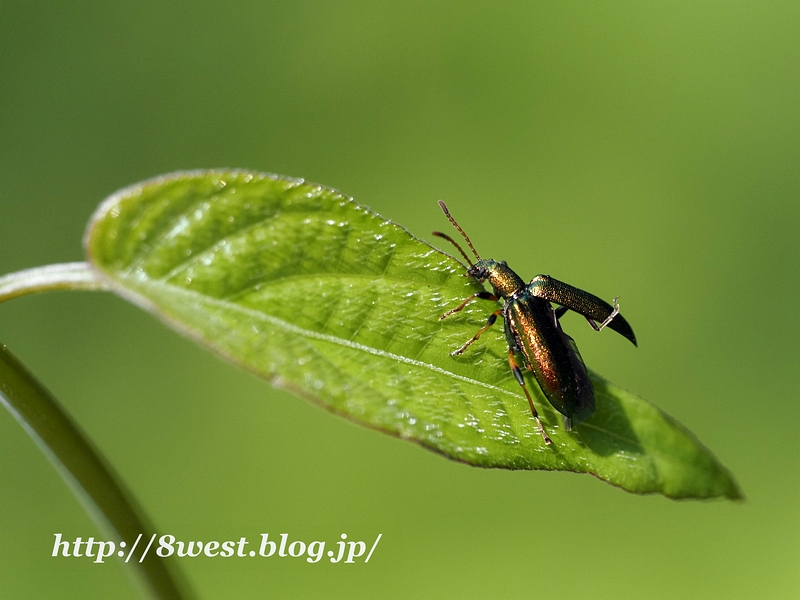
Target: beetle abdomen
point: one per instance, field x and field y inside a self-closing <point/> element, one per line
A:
<point x="553" y="357"/>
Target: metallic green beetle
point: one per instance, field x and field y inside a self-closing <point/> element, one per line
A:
<point x="532" y="329"/>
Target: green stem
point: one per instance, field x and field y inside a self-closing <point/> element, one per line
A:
<point x="83" y="468"/>
<point x="65" y="276"/>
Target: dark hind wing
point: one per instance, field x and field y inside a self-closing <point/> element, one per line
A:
<point x="584" y="303"/>
<point x="585" y="405"/>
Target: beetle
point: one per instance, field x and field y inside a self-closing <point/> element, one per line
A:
<point x="533" y="330"/>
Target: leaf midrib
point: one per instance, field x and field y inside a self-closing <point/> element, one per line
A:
<point x="291" y="328"/>
<point x="307" y="333"/>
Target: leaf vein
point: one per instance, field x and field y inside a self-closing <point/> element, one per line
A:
<point x="286" y="326"/>
<point x="146" y="249"/>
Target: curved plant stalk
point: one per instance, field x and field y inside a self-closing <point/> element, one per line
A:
<point x="65" y="276"/>
<point x="80" y="464"/>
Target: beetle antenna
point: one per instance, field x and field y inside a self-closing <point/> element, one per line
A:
<point x="457" y="226"/>
<point x="452" y="241"/>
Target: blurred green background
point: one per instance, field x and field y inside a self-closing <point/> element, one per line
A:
<point x="641" y="149"/>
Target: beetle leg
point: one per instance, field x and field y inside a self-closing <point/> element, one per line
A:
<point x="608" y="319"/>
<point x="484" y="295"/>
<point x="521" y="381"/>
<point x="560" y="311"/>
<point x="489" y="323"/>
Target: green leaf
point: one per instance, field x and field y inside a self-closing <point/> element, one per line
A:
<point x="306" y="288"/>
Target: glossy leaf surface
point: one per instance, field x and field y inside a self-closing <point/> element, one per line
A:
<point x="306" y="288"/>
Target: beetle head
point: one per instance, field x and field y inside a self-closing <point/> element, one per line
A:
<point x="482" y="269"/>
